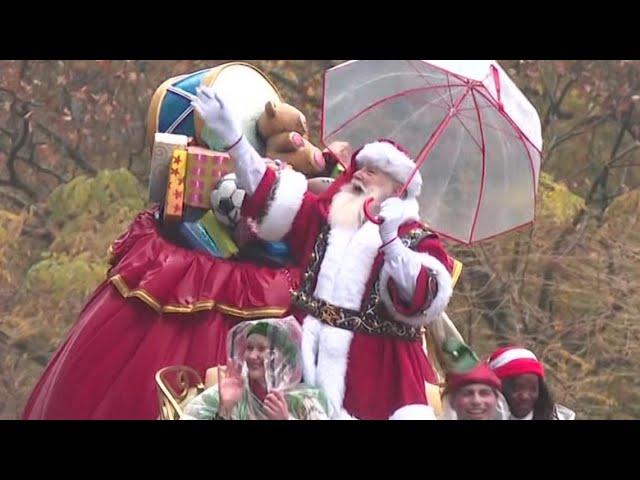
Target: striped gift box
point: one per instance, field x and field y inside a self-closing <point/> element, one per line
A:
<point x="204" y="169"/>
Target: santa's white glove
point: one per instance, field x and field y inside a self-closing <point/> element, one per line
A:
<point x="217" y="115"/>
<point x="392" y="213"/>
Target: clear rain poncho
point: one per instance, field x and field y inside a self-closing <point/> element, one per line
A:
<point x="282" y="372"/>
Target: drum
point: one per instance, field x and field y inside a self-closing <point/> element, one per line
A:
<point x="245" y="88"/>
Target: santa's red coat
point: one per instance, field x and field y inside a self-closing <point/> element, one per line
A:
<point x="371" y="376"/>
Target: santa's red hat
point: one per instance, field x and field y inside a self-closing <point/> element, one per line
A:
<point x="392" y="159"/>
<point x="481" y="373"/>
<point x="513" y="361"/>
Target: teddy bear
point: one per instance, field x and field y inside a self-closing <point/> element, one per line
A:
<point x="284" y="130"/>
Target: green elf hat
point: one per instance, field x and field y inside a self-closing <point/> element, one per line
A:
<point x="462" y="359"/>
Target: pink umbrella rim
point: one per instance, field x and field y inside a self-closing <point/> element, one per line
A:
<point x="465" y="81"/>
<point x="473" y="87"/>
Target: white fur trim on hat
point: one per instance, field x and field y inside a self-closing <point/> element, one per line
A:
<point x="386" y="157"/>
<point x="511" y="355"/>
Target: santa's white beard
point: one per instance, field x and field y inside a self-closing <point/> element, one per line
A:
<point x="347" y="207"/>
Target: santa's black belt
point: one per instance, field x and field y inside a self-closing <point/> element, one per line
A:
<point x="373" y="320"/>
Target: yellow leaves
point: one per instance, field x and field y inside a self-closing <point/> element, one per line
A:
<point x="92" y="212"/>
<point x="11" y="226"/>
<point x="558" y="203"/>
<point x="624" y="206"/>
<point x="573" y="362"/>
<point x="89" y="213"/>
<point x="598" y="399"/>
<point x="63" y="277"/>
<point x="109" y="189"/>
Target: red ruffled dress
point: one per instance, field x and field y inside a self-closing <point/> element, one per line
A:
<point x="161" y="305"/>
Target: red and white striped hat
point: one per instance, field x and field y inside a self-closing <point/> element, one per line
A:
<point x="512" y="361"/>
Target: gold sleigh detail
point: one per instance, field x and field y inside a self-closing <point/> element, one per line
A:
<point x="176" y="386"/>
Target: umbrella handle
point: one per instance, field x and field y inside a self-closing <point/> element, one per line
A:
<point x="367" y="212"/>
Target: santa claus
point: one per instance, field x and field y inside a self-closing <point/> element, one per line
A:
<point x="369" y="290"/>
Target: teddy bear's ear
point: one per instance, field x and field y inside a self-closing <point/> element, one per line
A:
<point x="270" y="109"/>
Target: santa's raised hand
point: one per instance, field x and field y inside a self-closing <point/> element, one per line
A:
<point x="392" y="215"/>
<point x="217" y="115"/>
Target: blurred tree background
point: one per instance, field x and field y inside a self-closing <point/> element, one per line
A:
<point x="74" y="169"/>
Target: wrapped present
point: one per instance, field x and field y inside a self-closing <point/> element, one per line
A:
<point x="174" y="201"/>
<point x="163" y="146"/>
<point x="193" y="233"/>
<point x="219" y="235"/>
<point x="204" y="169"/>
<point x="197" y="238"/>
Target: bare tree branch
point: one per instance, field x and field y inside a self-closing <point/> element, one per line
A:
<point x="69" y="150"/>
<point x="14" y="200"/>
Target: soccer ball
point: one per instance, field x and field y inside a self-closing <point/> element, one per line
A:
<point x="226" y="200"/>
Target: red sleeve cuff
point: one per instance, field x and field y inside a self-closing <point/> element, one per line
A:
<point x="255" y="204"/>
<point x="426" y="290"/>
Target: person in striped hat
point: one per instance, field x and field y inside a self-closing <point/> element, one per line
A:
<point x="524" y="387"/>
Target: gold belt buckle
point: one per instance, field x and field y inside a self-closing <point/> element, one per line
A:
<point x="329" y="314"/>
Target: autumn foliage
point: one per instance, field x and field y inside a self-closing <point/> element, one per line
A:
<point x="74" y="169"/>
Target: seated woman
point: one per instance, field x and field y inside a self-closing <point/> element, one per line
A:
<point x="474" y="395"/>
<point x="262" y="380"/>
<point x="524" y="387"/>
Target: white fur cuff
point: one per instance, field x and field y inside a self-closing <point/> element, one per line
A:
<point x="414" y="412"/>
<point x="281" y="212"/>
<point x="439" y="303"/>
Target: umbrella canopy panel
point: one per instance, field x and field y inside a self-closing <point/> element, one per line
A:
<point x="480" y="168"/>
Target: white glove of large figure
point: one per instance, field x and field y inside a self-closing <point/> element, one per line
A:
<point x="250" y="167"/>
<point x="217" y="115"/>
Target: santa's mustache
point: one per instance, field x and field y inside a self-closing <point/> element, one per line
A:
<point x="347" y="205"/>
<point x="358" y="187"/>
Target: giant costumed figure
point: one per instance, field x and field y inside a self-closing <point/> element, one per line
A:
<point x="163" y="304"/>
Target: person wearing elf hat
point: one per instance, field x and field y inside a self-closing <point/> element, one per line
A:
<point x="262" y="378"/>
<point x="524" y="387"/>
<point x="473" y="395"/>
<point x="369" y="290"/>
